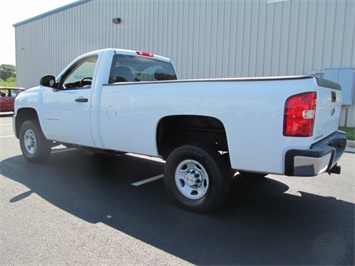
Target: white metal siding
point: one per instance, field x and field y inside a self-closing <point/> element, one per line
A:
<point x="205" y="38"/>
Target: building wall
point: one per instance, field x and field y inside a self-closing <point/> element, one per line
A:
<point x="205" y="38"/>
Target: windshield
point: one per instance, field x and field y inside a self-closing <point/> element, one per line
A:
<point x="128" y="68"/>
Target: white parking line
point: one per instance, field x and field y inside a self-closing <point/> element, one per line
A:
<point x="145" y="181"/>
<point x="62" y="150"/>
<point x="9" y="136"/>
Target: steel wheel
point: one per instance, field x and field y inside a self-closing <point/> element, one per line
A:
<point x="30" y="142"/>
<point x="196" y="177"/>
<point x="192" y="179"/>
<point x="34" y="145"/>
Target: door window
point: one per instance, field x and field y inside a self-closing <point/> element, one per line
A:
<point x="80" y="74"/>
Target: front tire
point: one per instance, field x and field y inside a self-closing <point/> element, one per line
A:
<point x="34" y="145"/>
<point x="197" y="177"/>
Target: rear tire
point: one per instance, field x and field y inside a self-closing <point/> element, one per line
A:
<point x="34" y="145"/>
<point x="197" y="177"/>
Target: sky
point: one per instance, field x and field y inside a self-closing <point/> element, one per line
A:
<point x="14" y="11"/>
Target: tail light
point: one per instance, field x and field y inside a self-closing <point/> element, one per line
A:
<point x="300" y="112"/>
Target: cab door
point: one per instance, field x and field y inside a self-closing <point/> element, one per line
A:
<point x="68" y="109"/>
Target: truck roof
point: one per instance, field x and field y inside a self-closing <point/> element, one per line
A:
<point x="135" y="53"/>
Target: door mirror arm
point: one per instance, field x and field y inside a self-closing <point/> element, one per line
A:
<point x="59" y="86"/>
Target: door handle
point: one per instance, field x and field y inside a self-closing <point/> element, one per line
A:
<point x="82" y="100"/>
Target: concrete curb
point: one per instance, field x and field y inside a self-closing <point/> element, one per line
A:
<point x="350" y="143"/>
<point x="350" y="146"/>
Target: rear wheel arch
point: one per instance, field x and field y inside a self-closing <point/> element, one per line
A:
<point x="174" y="131"/>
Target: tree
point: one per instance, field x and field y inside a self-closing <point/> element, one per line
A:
<point x="7" y="71"/>
<point x="10" y="82"/>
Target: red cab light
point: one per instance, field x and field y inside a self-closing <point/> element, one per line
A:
<point x="144" y="53"/>
<point x="299" y="115"/>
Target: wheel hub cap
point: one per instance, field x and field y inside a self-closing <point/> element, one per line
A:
<point x="30" y="142"/>
<point x="191" y="179"/>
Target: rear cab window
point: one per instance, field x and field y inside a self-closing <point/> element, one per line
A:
<point x="129" y="68"/>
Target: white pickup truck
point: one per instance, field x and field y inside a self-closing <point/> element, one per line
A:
<point x="119" y="101"/>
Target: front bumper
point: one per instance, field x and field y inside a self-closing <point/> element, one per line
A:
<point x="321" y="157"/>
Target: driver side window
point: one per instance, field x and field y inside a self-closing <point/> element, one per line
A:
<point x="80" y="74"/>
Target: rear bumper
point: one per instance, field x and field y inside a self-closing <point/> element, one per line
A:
<point x="321" y="157"/>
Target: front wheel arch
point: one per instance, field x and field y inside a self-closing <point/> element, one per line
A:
<point x="23" y="115"/>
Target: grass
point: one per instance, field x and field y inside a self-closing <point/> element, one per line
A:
<point x="350" y="132"/>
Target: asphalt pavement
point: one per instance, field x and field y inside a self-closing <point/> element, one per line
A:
<point x="79" y="209"/>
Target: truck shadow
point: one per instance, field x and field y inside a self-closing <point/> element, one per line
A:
<point x="258" y="224"/>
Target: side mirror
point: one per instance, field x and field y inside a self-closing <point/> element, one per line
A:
<point x="47" y="81"/>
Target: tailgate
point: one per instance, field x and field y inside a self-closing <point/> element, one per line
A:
<point x="328" y="108"/>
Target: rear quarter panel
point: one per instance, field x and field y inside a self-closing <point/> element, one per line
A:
<point x="130" y="113"/>
<point x="251" y="111"/>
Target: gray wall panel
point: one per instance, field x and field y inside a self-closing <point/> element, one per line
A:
<point x="205" y="38"/>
